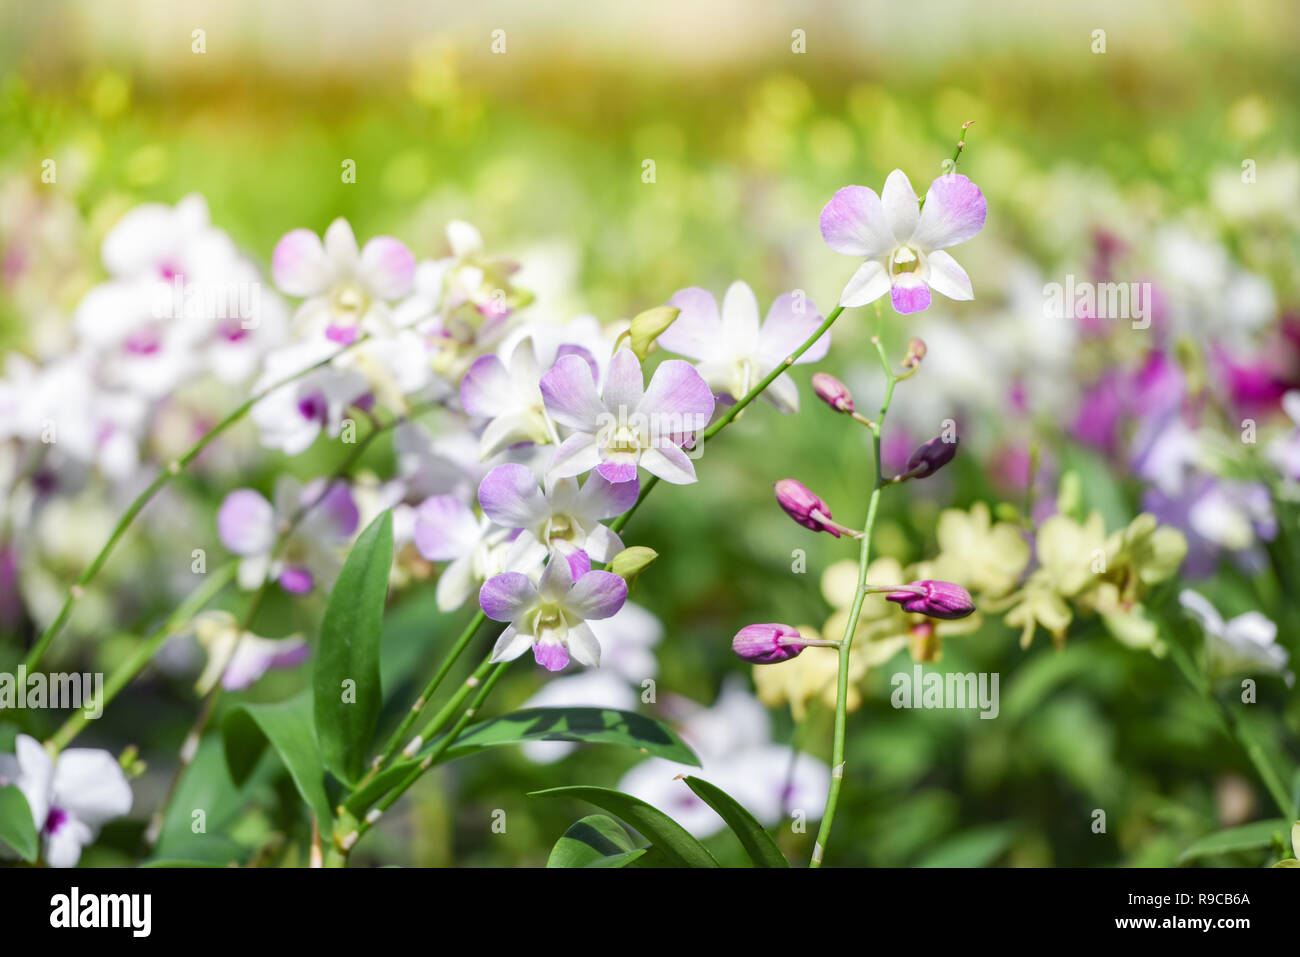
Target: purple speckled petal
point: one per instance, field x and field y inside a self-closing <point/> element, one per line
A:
<point x="510" y="497"/>
<point x="246" y="523"/>
<point x="597" y="595"/>
<point x="788" y="325"/>
<point x="552" y="657"/>
<point x="503" y="597"/>
<point x="909" y="294"/>
<point x="696" y="329"/>
<point x="624" y="383"/>
<point x="445" y="528"/>
<point x="299" y="264"/>
<point x="387" y="268"/>
<point x="570" y="394"/>
<point x="485" y="389"/>
<point x="854" y="223"/>
<point x="954" y="212"/>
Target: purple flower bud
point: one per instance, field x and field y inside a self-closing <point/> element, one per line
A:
<point x="931" y="457"/>
<point x="767" y="644"/>
<point x="833" y="392"/>
<point x="936" y="599"/>
<point x="801" y="504"/>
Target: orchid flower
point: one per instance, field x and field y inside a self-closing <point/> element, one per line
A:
<point x="1240" y="645"/>
<point x="446" y="530"/>
<point x="70" y="798"/>
<point x="551" y="616"/>
<point x="902" y="243"/>
<point x="562" y="516"/>
<point x="237" y="659"/>
<point x="346" y="289"/>
<point x="734" y="351"/>
<point x="509" y="397"/>
<point x="293" y="416"/>
<point x="627" y="424"/>
<point x="248" y="526"/>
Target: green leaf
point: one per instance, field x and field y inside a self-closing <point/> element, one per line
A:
<point x="670" y="839"/>
<point x="288" y="727"/>
<point x="760" y="847"/>
<point x="17" y="829"/>
<point x="976" y="847"/>
<point x="347" y="659"/>
<point x="1245" y="838"/>
<point x="595" y="841"/>
<point x="584" y="725"/>
<point x="206" y="786"/>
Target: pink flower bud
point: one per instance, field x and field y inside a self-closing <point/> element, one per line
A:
<point x="931" y="457"/>
<point x="935" y="599"/>
<point x="767" y="644"/>
<point x="833" y="392"/>
<point x="804" y="507"/>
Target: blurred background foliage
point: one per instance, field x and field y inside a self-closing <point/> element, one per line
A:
<point x="543" y="149"/>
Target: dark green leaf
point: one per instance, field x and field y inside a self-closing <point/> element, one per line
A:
<point x="346" y="683"/>
<point x="17" y="829"/>
<point x="288" y="726"/>
<point x="587" y="725"/>
<point x="1245" y="838"/>
<point x="669" y="838"/>
<point x="595" y="841"/>
<point x="760" y="847"/>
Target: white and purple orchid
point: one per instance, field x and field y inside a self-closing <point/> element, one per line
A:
<point x="562" y="515"/>
<point x="70" y="798"/>
<point x="291" y="417"/>
<point x="248" y="526"/>
<point x="551" y="617"/>
<point x="1242" y="645"/>
<point x="346" y="289"/>
<point x="237" y="659"/>
<point x="508" y="396"/>
<point x="902" y="242"/>
<point x="627" y="423"/>
<point x="447" y="530"/>
<point x="733" y="351"/>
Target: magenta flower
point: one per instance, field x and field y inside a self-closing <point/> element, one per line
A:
<point x="901" y="242"/>
<point x="833" y="392"/>
<point x="564" y="516"/>
<point x="808" y="509"/>
<point x="628" y="423"/>
<point x="768" y="644"/>
<point x="935" y="599"/>
<point x="930" y="457"/>
<point x="734" y="352"/>
<point x="551" y="617"/>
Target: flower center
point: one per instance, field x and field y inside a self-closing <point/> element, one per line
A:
<point x="904" y="260"/>
<point x="350" y="301"/>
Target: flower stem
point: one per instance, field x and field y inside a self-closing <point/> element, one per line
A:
<point x="398" y="737"/>
<point x="169" y="472"/>
<point x="190" y="607"/>
<point x="846" y="644"/>
<point x="345" y="842"/>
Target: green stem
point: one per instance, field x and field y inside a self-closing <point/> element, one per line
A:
<point x="348" y="841"/>
<point x="143" y="655"/>
<point x="398" y="737"/>
<point x="846" y="644"/>
<point x="169" y="472"/>
<point x="1273" y="783"/>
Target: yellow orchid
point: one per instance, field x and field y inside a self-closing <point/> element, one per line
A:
<point x="814" y="673"/>
<point x="979" y="554"/>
